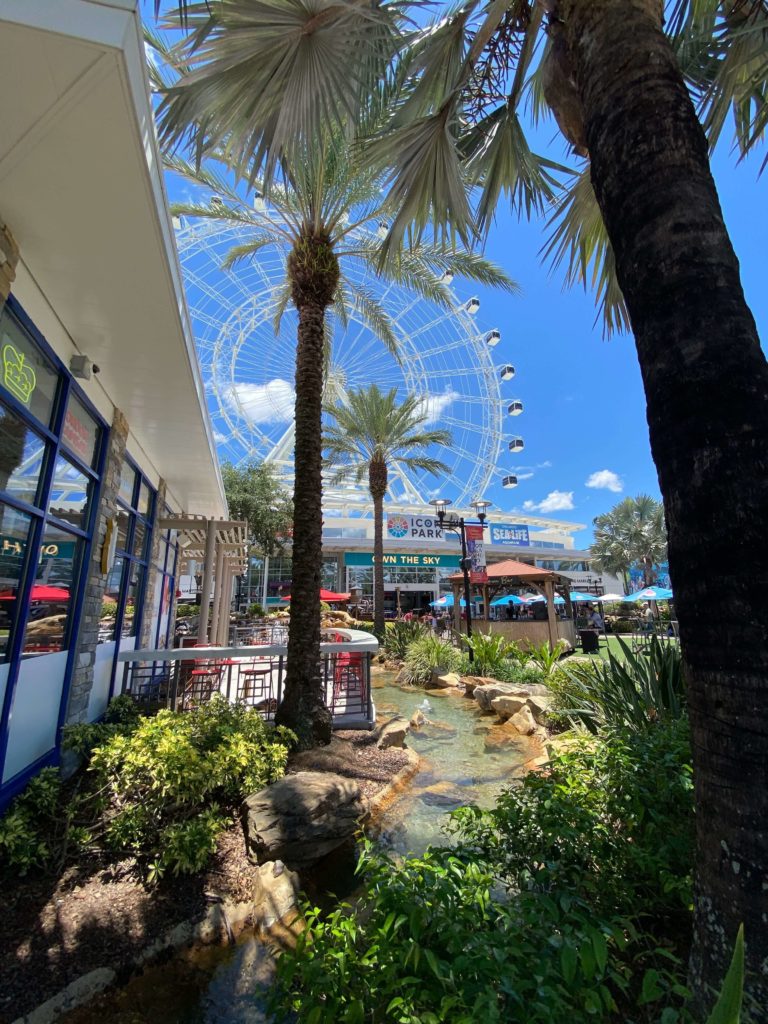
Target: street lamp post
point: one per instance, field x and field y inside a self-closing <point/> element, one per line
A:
<point x="457" y="524"/>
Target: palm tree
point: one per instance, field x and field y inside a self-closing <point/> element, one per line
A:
<point x="614" y="81"/>
<point x="370" y="435"/>
<point x="631" y="533"/>
<point x="323" y="212"/>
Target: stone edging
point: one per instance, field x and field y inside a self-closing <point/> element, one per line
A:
<point x="387" y="796"/>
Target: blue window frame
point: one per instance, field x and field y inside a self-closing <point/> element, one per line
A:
<point x="52" y="450"/>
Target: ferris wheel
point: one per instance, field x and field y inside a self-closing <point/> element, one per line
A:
<point x="445" y="357"/>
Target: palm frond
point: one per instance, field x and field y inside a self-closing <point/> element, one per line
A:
<point x="240" y="253"/>
<point x="579" y="240"/>
<point x="376" y="318"/>
<point x="282" y="299"/>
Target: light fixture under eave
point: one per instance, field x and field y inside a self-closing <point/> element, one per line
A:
<point x="515" y="408"/>
<point x="516" y="444"/>
<point x="472" y="306"/>
<point x="509" y="481"/>
<point x="493" y="338"/>
<point x="507" y="372"/>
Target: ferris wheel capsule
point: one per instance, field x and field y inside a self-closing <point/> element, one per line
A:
<point x="472" y="306"/>
<point x="507" y="372"/>
<point x="516" y="444"/>
<point x="515" y="408"/>
<point x="509" y="481"/>
<point x="493" y="338"/>
<point x="446" y="277"/>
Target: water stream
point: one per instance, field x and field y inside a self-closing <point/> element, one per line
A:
<point x="218" y="985"/>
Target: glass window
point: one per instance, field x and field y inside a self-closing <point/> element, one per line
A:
<point x="70" y="494"/>
<point x="21" y="457"/>
<point x="127" y="482"/>
<point x="14" y="538"/>
<point x="130" y="615"/>
<point x="139" y="540"/>
<point x="25" y="373"/>
<point x="50" y="600"/>
<point x="123" y="522"/>
<point x="80" y="432"/>
<point x="145" y="500"/>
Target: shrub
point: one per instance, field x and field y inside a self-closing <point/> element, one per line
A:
<point x="184" y="611"/>
<point x="637" y="691"/>
<point x="398" y="636"/>
<point x="28" y="828"/>
<point x="121" y="717"/>
<point x="255" y="610"/>
<point x="493" y="654"/>
<point x="546" y="657"/>
<point x="618" y="624"/>
<point x="168" y="779"/>
<point x="595" y="858"/>
<point x="108" y="609"/>
<point x="426" y="654"/>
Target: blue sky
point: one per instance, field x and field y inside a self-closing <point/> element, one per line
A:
<point x="584" y="420"/>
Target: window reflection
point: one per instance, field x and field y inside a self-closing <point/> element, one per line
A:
<point x="14" y="538"/>
<point x="21" y="457"/>
<point x="70" y="494"/>
<point x="80" y="432"/>
<point x="25" y="373"/>
<point x="50" y="598"/>
<point x="130" y="615"/>
<point x="127" y="482"/>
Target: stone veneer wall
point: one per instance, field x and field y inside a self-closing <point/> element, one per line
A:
<point x="9" y="258"/>
<point x="96" y="584"/>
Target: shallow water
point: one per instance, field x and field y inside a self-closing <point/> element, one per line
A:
<point x="456" y="770"/>
<point x="221" y="985"/>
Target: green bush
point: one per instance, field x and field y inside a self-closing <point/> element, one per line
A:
<point x="399" y="635"/>
<point x="595" y="858"/>
<point x="166" y="782"/>
<point x="618" y="624"/>
<point x="184" y="611"/>
<point x="108" y="609"/>
<point x="28" y="828"/>
<point x="426" y="654"/>
<point x="493" y="654"/>
<point x="255" y="610"/>
<point x="121" y="717"/>
<point x="635" y="691"/>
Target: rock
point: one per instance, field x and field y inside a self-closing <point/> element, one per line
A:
<point x="402" y="678"/>
<point x="506" y="705"/>
<point x="392" y="666"/>
<point x="471" y="682"/>
<point x="438" y="730"/>
<point x="393" y="734"/>
<point x="501" y="737"/>
<point x="275" y="893"/>
<point x="418" y="718"/>
<point x="487" y="692"/>
<point x="539" y="707"/>
<point x="445" y="680"/>
<point x="524" y="721"/>
<point x="442" y="800"/>
<point x="302" y="817"/>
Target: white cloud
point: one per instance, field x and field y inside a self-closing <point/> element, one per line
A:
<point x="264" y="403"/>
<point x="555" y="501"/>
<point x="607" y="480"/>
<point x="524" y="476"/>
<point x="435" y="405"/>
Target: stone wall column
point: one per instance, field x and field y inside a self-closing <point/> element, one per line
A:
<point x="96" y="583"/>
<point x="9" y="258"/>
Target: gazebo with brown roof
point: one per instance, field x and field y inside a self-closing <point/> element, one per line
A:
<point x="510" y="573"/>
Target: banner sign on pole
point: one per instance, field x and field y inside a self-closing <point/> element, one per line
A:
<point x="476" y="552"/>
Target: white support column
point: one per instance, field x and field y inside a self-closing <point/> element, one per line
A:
<point x="217" y="591"/>
<point x="225" y="606"/>
<point x="205" y="596"/>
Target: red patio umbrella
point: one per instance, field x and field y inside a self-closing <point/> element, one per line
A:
<point x="325" y="595"/>
<point x="40" y="593"/>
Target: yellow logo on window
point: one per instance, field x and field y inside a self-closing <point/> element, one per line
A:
<point x="18" y="375"/>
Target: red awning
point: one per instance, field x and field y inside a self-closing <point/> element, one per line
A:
<point x="326" y="595"/>
<point x="41" y="593"/>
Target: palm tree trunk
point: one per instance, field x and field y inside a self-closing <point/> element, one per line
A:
<point x="377" y="484"/>
<point x="706" y="385"/>
<point x="313" y="271"/>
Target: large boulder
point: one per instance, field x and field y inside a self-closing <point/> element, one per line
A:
<point x="507" y="705"/>
<point x="503" y="736"/>
<point x="444" y="680"/>
<point x="470" y="683"/>
<point x="490" y="691"/>
<point x="301" y="818"/>
<point x="524" y="721"/>
<point x="393" y="733"/>
<point x="539" y="706"/>
<point x="275" y="893"/>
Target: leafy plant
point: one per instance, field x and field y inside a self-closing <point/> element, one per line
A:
<point x="121" y="717"/>
<point x="27" y="829"/>
<point x="493" y="653"/>
<point x="596" y="857"/>
<point x="635" y="690"/>
<point x="108" y="609"/>
<point x="255" y="610"/>
<point x="428" y="654"/>
<point x="545" y="657"/>
<point x="727" y="1009"/>
<point x="184" y="611"/>
<point x="399" y="635"/>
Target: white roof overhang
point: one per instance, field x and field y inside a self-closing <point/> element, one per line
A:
<point x="81" y="188"/>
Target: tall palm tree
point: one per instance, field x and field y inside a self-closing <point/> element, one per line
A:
<point x="323" y="212"/>
<point x="370" y="434"/>
<point x="613" y="78"/>
<point x="631" y="533"/>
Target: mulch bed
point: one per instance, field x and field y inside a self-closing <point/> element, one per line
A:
<point x="56" y="928"/>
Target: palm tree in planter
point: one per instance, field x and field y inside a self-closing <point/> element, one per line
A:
<point x="323" y="212"/>
<point x="369" y="435"/>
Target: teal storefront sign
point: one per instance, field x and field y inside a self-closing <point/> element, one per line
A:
<point x="404" y="561"/>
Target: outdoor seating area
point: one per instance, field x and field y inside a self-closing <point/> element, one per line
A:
<point x="188" y="677"/>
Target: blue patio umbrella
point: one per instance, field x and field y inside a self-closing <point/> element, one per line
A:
<point x="446" y="601"/>
<point x="507" y="599"/>
<point x="578" y="597"/>
<point x="650" y="594"/>
<point x="540" y="598"/>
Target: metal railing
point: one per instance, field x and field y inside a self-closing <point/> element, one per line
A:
<point x="253" y="675"/>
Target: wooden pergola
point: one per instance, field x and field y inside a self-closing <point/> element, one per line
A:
<point x="509" y="574"/>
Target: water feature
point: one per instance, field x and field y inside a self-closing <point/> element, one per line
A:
<point x="214" y="985"/>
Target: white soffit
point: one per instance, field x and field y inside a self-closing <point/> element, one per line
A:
<point x="81" y="188"/>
